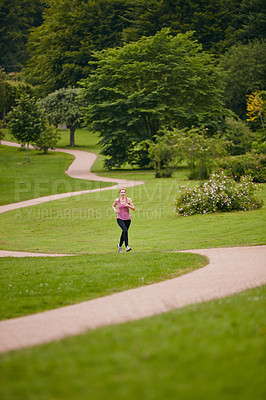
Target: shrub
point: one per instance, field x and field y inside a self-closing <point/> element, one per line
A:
<point x="253" y="164"/>
<point x="239" y="136"/>
<point x="47" y="139"/>
<point x="220" y="194"/>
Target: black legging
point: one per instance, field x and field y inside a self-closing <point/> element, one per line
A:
<point x="124" y="225"/>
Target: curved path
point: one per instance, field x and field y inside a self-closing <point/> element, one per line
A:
<point x="230" y="270"/>
<point x="79" y="169"/>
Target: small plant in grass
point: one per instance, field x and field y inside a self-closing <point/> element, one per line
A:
<point x="48" y="139"/>
<point x="220" y="194"/>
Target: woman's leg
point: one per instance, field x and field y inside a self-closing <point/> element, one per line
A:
<point x="127" y="223"/>
<point x="124" y="225"/>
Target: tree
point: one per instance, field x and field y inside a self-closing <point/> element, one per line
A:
<point x="47" y="139"/>
<point x="238" y="134"/>
<point x="26" y="121"/>
<point x="250" y="21"/>
<point x="213" y="21"/>
<point x="72" y="29"/>
<point x="256" y="107"/>
<point x="200" y="151"/>
<point x="17" y="18"/>
<point x="246" y="73"/>
<point x="63" y="106"/>
<point x="164" y="154"/>
<point x="11" y="89"/>
<point x="140" y="87"/>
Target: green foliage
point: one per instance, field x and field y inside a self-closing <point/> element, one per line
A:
<point x="17" y="18"/>
<point x="259" y="145"/>
<point x="213" y="21"/>
<point x="199" y="150"/>
<point x="72" y="29"/>
<point x="238" y="135"/>
<point x="250" y="21"/>
<point x="26" y="121"/>
<point x="11" y="89"/>
<point x="245" y="65"/>
<point x="136" y="89"/>
<point x="253" y="164"/>
<point x="63" y="106"/>
<point x="220" y="194"/>
<point x="48" y="139"/>
<point x="163" y="154"/>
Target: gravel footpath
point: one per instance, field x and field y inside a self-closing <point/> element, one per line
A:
<point x="230" y="270"/>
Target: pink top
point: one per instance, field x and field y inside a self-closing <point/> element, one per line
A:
<point x="123" y="212"/>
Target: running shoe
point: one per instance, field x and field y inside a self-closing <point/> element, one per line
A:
<point x="119" y="248"/>
<point x="128" y="248"/>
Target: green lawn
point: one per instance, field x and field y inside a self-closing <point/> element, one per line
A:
<point x="84" y="139"/>
<point x="214" y="350"/>
<point x="42" y="176"/>
<point x="30" y="285"/>
<point x="87" y="224"/>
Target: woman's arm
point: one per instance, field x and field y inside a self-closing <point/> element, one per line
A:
<point x="130" y="204"/>
<point x="114" y="206"/>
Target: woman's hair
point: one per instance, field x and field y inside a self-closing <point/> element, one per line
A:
<point x="122" y="189"/>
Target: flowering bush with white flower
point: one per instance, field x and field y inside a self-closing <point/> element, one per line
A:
<point x="220" y="194"/>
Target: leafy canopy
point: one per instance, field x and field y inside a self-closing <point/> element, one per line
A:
<point x="245" y="66"/>
<point x="140" y="87"/>
<point x="26" y="121"/>
<point x="61" y="47"/>
<point x="62" y="107"/>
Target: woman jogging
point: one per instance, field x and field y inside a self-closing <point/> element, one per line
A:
<point x="123" y="217"/>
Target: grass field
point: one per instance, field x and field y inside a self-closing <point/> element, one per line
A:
<point x="44" y="175"/>
<point x="86" y="223"/>
<point x="29" y="285"/>
<point x="214" y="350"/>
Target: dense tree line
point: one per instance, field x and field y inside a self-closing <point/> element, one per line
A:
<point x="134" y="82"/>
<point x="17" y="18"/>
<point x="65" y="32"/>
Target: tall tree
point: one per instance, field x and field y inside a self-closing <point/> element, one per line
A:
<point x="62" y="46"/>
<point x="250" y="21"/>
<point x="11" y="89"/>
<point x="213" y="21"/>
<point x="17" y="17"/>
<point x="26" y="121"/>
<point x="63" y="106"/>
<point x="138" y="88"/>
<point x="246" y="73"/>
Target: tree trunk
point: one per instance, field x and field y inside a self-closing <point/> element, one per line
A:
<point x="28" y="157"/>
<point x="72" y="136"/>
